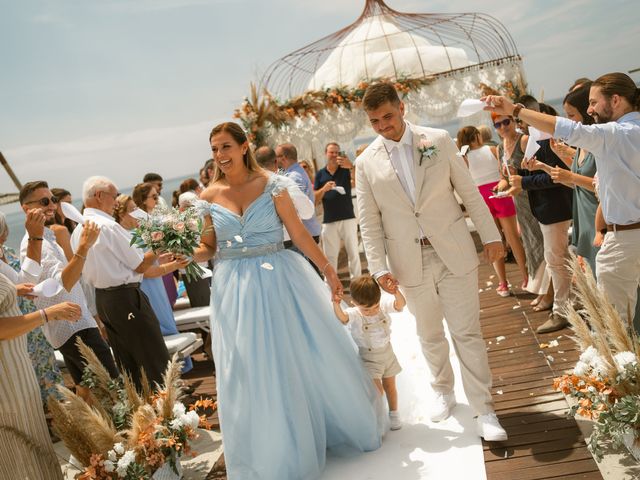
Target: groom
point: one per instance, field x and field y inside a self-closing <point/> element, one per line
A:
<point x="415" y="235"/>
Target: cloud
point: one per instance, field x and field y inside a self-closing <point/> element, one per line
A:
<point x="125" y="158"/>
<point x="139" y="6"/>
<point x="50" y="19"/>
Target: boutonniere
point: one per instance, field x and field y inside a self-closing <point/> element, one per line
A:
<point x="427" y="150"/>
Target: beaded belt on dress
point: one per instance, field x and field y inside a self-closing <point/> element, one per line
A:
<point x="238" y="252"/>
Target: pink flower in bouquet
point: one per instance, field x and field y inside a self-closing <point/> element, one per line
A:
<point x="179" y="227"/>
<point x="156" y="236"/>
<point x="192" y="225"/>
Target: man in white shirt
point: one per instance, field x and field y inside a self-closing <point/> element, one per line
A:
<point x="115" y="269"/>
<point x="614" y="141"/>
<point x="52" y="264"/>
<point x="415" y="235"/>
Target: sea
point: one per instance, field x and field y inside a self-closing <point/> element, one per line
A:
<point x="15" y="216"/>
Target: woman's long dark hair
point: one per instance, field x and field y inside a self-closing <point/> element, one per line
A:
<point x="61" y="193"/>
<point x="579" y="99"/>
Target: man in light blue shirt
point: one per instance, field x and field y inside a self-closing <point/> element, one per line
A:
<point x="614" y="103"/>
<point x="287" y="160"/>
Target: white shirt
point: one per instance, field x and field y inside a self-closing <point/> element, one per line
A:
<point x="401" y="156"/>
<point x="112" y="260"/>
<point x="616" y="147"/>
<point x="53" y="262"/>
<point x="304" y="207"/>
<point x="372" y="332"/>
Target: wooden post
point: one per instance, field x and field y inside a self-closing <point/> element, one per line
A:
<point x="6" y="166"/>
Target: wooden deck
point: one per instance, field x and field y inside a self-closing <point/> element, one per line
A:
<point x="543" y="443"/>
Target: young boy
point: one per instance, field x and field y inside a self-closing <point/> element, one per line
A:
<point x="369" y="323"/>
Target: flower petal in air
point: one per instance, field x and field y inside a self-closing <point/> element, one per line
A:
<point x="238" y="239"/>
<point x="267" y="266"/>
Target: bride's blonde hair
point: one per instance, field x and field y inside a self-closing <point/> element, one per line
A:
<point x="240" y="138"/>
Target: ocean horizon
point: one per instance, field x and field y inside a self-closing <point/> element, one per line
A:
<point x="15" y="216"/>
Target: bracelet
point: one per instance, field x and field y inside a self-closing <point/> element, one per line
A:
<point x="324" y="268"/>
<point x="43" y="315"/>
<point x="36" y="239"/>
<point x="516" y="110"/>
<point x="79" y="256"/>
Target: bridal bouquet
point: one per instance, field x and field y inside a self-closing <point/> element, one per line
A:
<point x="169" y="230"/>
<point x="126" y="434"/>
<point x="605" y="382"/>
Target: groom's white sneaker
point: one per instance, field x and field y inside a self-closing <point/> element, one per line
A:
<point x="442" y="405"/>
<point x="490" y="429"/>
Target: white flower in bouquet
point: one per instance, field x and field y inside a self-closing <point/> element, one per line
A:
<point x="178" y="409"/>
<point x="192" y="419"/>
<point x="581" y="369"/>
<point x="109" y="466"/>
<point x="112" y="455"/>
<point x="623" y="359"/>
<point x="124" y="462"/>
<point x="588" y="355"/>
<point x="118" y="448"/>
<point x="599" y="367"/>
<point x="171" y="231"/>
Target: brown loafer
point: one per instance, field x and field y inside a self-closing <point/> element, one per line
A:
<point x="555" y="322"/>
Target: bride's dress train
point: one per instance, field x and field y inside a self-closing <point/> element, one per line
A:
<point x="421" y="449"/>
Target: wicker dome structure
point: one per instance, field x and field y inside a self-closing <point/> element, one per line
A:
<point x="312" y="95"/>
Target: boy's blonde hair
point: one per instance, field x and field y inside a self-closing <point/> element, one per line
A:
<point x="365" y="290"/>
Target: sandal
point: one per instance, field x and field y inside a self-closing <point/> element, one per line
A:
<point x="542" y="306"/>
<point x="503" y="289"/>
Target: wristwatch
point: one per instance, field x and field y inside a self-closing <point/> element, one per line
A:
<point x="516" y="110"/>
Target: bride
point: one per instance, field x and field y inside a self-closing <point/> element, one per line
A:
<point x="290" y="385"/>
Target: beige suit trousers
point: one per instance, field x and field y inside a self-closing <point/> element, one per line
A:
<point x="618" y="270"/>
<point x="456" y="298"/>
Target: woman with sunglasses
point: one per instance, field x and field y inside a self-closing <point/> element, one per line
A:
<point x="511" y="153"/>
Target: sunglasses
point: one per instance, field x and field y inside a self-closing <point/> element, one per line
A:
<point x="504" y="123"/>
<point x="45" y="201"/>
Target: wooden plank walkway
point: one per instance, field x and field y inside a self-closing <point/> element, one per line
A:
<point x="543" y="443"/>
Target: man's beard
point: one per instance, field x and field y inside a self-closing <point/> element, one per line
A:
<point x="50" y="221"/>
<point x="605" y="117"/>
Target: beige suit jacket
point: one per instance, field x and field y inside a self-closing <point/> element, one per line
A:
<point x="390" y="224"/>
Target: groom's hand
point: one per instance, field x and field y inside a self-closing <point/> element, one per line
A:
<point x="493" y="251"/>
<point x="388" y="283"/>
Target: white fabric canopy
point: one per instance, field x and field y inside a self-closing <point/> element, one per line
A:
<point x="378" y="48"/>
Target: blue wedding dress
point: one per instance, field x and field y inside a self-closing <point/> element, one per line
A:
<point x="290" y="384"/>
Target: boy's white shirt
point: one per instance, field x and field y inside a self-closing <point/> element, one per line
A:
<point x="379" y="336"/>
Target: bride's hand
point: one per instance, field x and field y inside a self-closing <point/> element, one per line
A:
<point x="334" y="283"/>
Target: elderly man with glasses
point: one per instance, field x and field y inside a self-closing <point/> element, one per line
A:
<point x="51" y="263"/>
<point x="115" y="269"/>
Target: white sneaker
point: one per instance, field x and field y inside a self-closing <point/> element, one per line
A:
<point x="490" y="429"/>
<point x="395" y="422"/>
<point x="442" y="405"/>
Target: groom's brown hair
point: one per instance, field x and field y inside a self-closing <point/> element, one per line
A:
<point x="379" y="94"/>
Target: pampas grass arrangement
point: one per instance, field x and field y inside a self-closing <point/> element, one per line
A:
<point x="606" y="380"/>
<point x="124" y="433"/>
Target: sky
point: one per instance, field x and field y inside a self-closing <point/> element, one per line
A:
<point x="122" y="87"/>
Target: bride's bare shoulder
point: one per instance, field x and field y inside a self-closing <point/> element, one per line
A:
<point x="211" y="192"/>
